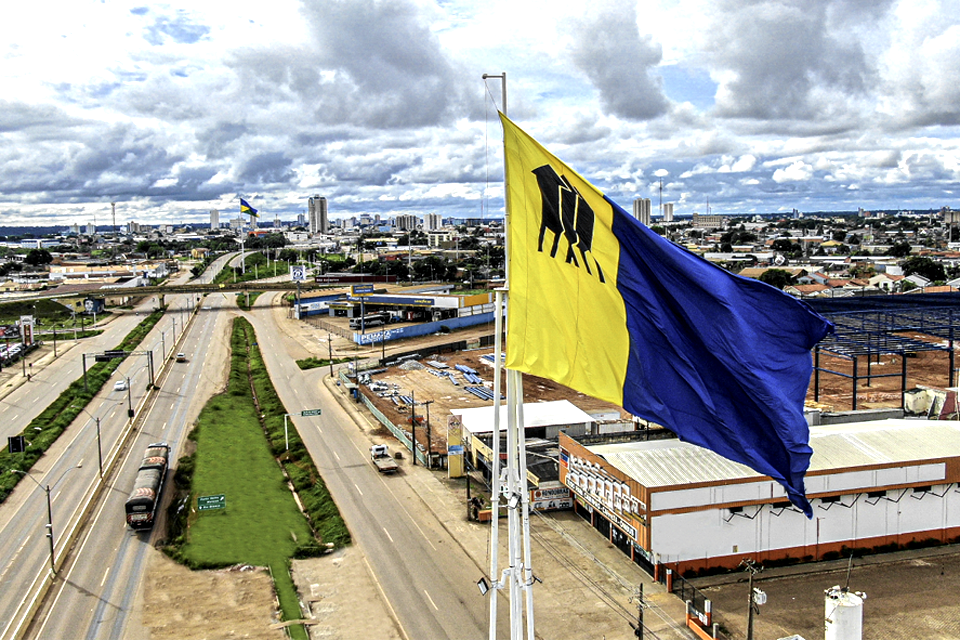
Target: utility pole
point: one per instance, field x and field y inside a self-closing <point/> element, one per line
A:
<point x="638" y="598"/>
<point x="429" y="447"/>
<point x="413" y="425"/>
<point x="753" y="599"/>
<point x="330" y="352"/>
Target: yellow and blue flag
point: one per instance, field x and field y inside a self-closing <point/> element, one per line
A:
<point x="247" y="209"/>
<point x="602" y="304"/>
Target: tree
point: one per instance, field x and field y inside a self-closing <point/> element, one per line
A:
<point x="863" y="271"/>
<point x="777" y="278"/>
<point x="926" y="267"/>
<point x="37" y="257"/>
<point x="900" y="249"/>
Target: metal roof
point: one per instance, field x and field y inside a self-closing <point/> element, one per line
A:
<point x="835" y="448"/>
<point x="535" y="414"/>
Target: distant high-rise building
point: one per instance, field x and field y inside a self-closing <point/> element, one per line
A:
<point x="317" y="209"/>
<point x="432" y="222"/>
<point x="668" y="212"/>
<point x="214" y="219"/>
<point x="91" y="229"/>
<point x="406" y="222"/>
<point x="301" y="220"/>
<point x="642" y="209"/>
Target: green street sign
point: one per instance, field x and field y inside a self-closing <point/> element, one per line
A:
<point x="310" y="412"/>
<point x="205" y="503"/>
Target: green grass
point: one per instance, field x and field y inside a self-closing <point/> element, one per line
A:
<point x="256" y="267"/>
<point x="261" y="524"/>
<point x="313" y="363"/>
<point x="48" y="312"/>
<point x="242" y="299"/>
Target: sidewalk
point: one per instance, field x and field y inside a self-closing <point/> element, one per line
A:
<point x="587" y="583"/>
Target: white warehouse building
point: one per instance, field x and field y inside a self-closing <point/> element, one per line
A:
<point x="874" y="485"/>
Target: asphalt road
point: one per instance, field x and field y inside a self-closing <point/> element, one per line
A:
<point x="427" y="578"/>
<point x="70" y="469"/>
<point x="96" y="591"/>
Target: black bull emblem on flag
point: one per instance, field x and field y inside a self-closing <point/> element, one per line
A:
<point x="565" y="213"/>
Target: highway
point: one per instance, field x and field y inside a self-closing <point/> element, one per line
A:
<point x="95" y="595"/>
<point x="429" y="581"/>
<point x="426" y="577"/>
<point x="71" y="467"/>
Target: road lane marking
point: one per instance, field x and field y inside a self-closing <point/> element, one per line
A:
<point x="357" y="488"/>
<point x="105" y="576"/>
<point x="431" y="600"/>
<point x="336" y="455"/>
<point x="164" y="426"/>
<point x="390" y="537"/>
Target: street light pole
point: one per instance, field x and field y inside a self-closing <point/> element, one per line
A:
<point x="46" y="489"/>
<point x="53" y="564"/>
<point x="129" y="400"/>
<point x="99" y="449"/>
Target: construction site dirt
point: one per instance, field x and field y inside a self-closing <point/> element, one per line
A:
<point x="883" y="389"/>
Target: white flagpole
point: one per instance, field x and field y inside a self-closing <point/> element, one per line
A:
<point x="513" y="511"/>
<point x="495" y="472"/>
<point x="525" y="514"/>
<point x="495" y="488"/>
<point x="520" y="570"/>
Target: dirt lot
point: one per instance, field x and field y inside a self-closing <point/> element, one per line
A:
<point x="177" y="602"/>
<point x="910" y="595"/>
<point x="926" y="368"/>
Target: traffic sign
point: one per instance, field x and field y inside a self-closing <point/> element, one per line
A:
<point x="16" y="444"/>
<point x="310" y="412"/>
<point x="298" y="273"/>
<point x="205" y="503"/>
<point x="361" y="288"/>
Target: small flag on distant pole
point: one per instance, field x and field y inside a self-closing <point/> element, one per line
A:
<point x="247" y="209"/>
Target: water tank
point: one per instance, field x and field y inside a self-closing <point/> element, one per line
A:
<point x="843" y="614"/>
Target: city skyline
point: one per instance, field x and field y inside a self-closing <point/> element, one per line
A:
<point x="173" y="110"/>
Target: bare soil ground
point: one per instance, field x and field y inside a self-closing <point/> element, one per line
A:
<point x="925" y="368"/>
<point x="180" y="603"/>
<point x="910" y="595"/>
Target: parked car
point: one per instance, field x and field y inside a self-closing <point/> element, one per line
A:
<point x="120" y="385"/>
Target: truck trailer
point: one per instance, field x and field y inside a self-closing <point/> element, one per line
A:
<point x="145" y="497"/>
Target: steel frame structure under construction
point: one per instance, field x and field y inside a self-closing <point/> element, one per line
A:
<point x="872" y="327"/>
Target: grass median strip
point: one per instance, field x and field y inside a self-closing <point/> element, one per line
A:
<point x="240" y="453"/>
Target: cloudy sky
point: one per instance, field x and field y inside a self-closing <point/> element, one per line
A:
<point x="170" y="110"/>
